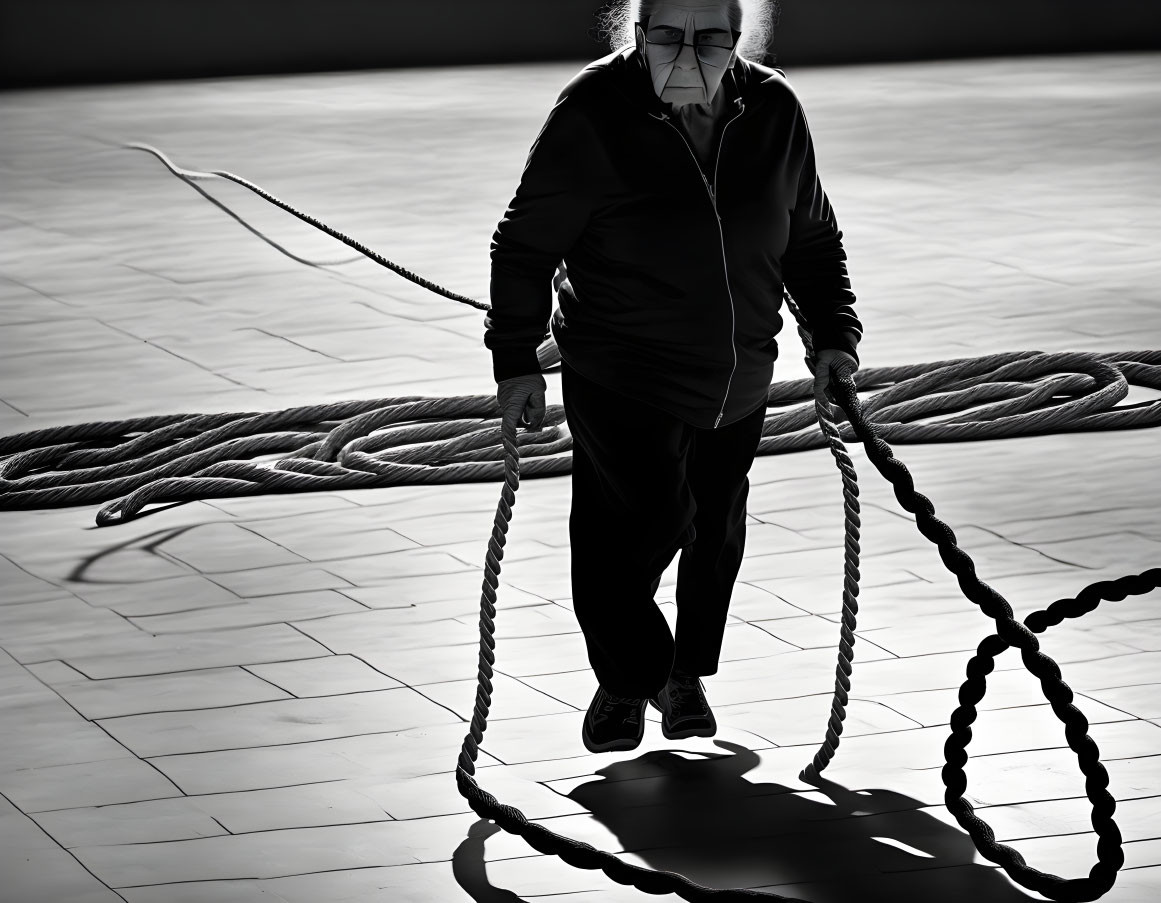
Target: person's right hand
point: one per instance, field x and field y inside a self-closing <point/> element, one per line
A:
<point x="522" y="400"/>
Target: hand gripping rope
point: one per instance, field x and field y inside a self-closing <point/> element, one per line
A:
<point x="953" y="379"/>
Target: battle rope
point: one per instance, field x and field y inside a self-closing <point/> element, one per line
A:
<point x="1009" y="633"/>
<point x="825" y="416"/>
<point x="1098" y="378"/>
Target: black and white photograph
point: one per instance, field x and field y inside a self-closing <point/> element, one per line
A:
<point x="580" y="451"/>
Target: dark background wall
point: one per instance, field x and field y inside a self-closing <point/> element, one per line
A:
<point x="70" y="41"/>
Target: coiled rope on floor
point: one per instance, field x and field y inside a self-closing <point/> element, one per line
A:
<point x="420" y="440"/>
<point x="414" y="439"/>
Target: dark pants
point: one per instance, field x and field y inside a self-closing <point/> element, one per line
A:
<point x="644" y="486"/>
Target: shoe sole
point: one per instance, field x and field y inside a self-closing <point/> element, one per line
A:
<point x="683" y="733"/>
<point x="689" y="732"/>
<point x="611" y="746"/>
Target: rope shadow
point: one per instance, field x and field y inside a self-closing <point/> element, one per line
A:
<point x="150" y="543"/>
<point x="470" y="871"/>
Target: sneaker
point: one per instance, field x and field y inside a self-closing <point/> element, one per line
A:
<point x="684" y="709"/>
<point x="613" y="723"/>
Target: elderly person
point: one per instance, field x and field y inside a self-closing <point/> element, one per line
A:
<point x="674" y="183"/>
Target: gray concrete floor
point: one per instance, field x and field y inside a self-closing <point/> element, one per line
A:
<point x="263" y="699"/>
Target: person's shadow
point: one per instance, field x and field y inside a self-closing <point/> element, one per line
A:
<point x="697" y="815"/>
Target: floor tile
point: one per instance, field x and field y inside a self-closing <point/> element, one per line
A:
<point x="511" y="698"/>
<point x="270" y="854"/>
<point x="216" y="548"/>
<point x="801" y="720"/>
<point x="329" y="675"/>
<point x="275" y="723"/>
<point x="98" y="783"/>
<point x="398" y="756"/>
<point x="252" y="613"/>
<point x="274" y="581"/>
<point x="210" y="688"/>
<point x="1143" y="701"/>
<point x="21" y="586"/>
<point x="36" y="869"/>
<point x="43" y="630"/>
<point x="147" y="655"/>
<point x="176" y="594"/>
<point x="303" y="806"/>
<point x="178" y="818"/>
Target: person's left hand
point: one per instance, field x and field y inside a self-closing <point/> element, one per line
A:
<point x="831" y="362"/>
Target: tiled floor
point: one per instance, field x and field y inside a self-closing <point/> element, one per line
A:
<point x="263" y="698"/>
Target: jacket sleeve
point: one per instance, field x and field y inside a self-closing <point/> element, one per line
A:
<point x="548" y="213"/>
<point x="814" y="264"/>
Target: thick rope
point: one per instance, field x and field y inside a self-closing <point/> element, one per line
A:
<point x="190" y="176"/>
<point x="422" y="440"/>
<point x="978" y="398"/>
<point x="825" y="415"/>
<point x="1022" y="636"/>
<point x="575" y="853"/>
<point x="1010" y="633"/>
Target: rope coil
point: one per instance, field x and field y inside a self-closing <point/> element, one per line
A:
<point x="421" y="440"/>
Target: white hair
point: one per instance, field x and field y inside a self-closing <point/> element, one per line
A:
<point x="615" y="24"/>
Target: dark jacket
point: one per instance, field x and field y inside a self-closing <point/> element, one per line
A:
<point x="681" y="319"/>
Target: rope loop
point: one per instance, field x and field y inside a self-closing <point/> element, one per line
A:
<point x="1009" y="633"/>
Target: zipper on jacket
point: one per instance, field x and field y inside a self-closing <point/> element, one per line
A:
<point x="712" y="191"/>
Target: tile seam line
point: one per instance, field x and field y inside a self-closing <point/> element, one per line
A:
<point x="1040" y="749"/>
<point x="352" y="868"/>
<point x="241" y="705"/>
<point x="528" y="685"/>
<point x="389" y="820"/>
<point x="1127" y="840"/>
<point x="1051" y="799"/>
<point x="15" y="408"/>
<point x="290" y="341"/>
<point x="1032" y="548"/>
<point x="43" y="294"/>
<point x="130" y="752"/>
<point x="460" y="721"/>
<point x="289" y="698"/>
<point x="244" y="525"/>
<point x="348" y="558"/>
<point x="1081" y="693"/>
<point x="162" y="348"/>
<point x="191" y="796"/>
<point x="230" y="628"/>
<point x="406" y="685"/>
<point x="63" y="848"/>
<point x="267" y="681"/>
<point x="365" y="609"/>
<point x="281" y="661"/>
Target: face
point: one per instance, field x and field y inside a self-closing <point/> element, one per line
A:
<point x="682" y="74"/>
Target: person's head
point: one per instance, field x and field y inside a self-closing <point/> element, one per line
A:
<point x="688" y="45"/>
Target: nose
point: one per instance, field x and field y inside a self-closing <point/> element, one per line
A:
<point x="687" y="59"/>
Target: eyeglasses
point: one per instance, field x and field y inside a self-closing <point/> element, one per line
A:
<point x="712" y="47"/>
